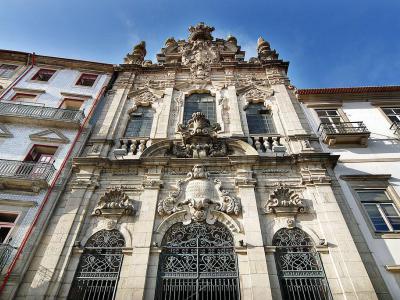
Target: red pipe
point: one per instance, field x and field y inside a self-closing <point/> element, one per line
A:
<point x="20" y="77"/>
<point x="12" y="265"/>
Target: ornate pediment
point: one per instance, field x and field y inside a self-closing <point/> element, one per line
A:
<point x="144" y="97"/>
<point x="257" y="95"/>
<point x="199" y="196"/>
<point x="114" y="202"/>
<point x="284" y="200"/>
<point x="199" y="139"/>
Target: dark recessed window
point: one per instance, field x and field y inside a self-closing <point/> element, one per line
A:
<point x="7" y="222"/>
<point x="204" y="103"/>
<point x="43" y="75"/>
<point x="259" y="119"/>
<point x="6" y="71"/>
<point x="87" y="79"/>
<point x="382" y="212"/>
<point x="140" y="122"/>
<point x="393" y="113"/>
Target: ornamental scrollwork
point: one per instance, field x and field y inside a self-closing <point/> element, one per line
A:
<point x="284" y="200"/>
<point x="114" y="202"/>
<point x="199" y="196"/>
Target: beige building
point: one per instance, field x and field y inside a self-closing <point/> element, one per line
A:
<point x="202" y="180"/>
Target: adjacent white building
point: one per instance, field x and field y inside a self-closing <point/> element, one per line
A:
<point x="43" y="109"/>
<point x="362" y="125"/>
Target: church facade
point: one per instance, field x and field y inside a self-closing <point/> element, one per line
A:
<point x="202" y="179"/>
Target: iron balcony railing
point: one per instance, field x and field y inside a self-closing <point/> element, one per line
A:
<point x="6" y="252"/>
<point x="41" y="112"/>
<point x="26" y="170"/>
<point x="396" y="128"/>
<point x="343" y="128"/>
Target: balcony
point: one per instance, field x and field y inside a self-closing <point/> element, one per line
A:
<point x="344" y="133"/>
<point x="25" y="175"/>
<point x="131" y="147"/>
<point x="396" y="128"/>
<point x="42" y="115"/>
<point x="6" y="253"/>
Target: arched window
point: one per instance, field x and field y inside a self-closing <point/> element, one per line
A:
<point x="259" y="119"/>
<point x="140" y="122"/>
<point x="99" y="266"/>
<point x="204" y="103"/>
<point x="299" y="266"/>
<point x="198" y="261"/>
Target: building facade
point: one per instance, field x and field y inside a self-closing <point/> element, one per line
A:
<point x="202" y="179"/>
<point x="362" y="126"/>
<point x="43" y="121"/>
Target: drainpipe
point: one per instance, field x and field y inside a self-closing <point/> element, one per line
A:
<point x="32" y="59"/>
<point x="24" y="241"/>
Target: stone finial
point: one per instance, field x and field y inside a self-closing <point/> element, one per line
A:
<point x="200" y="32"/>
<point x="170" y="42"/>
<point x="262" y="45"/>
<point x="137" y="55"/>
<point x="264" y="50"/>
<point x="231" y="39"/>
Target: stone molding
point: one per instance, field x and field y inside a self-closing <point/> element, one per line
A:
<point x="114" y="202"/>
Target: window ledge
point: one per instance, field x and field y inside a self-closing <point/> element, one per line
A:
<point x="387" y="235"/>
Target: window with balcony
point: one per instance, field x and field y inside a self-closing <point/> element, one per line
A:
<point x="393" y="113"/>
<point x="7" y="223"/>
<point x="259" y="119"/>
<point x="22" y="97"/>
<point x="7" y="71"/>
<point x="140" y="122"/>
<point x="41" y="154"/>
<point x="72" y="104"/>
<point x="204" y="103"/>
<point x="382" y="212"/>
<point x="329" y="116"/>
<point x="43" y="75"/>
<point x="87" y="79"/>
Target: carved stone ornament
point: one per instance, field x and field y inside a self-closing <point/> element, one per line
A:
<point x="255" y="95"/>
<point x="199" y="139"/>
<point x="137" y="55"/>
<point x="114" y="202"/>
<point x="199" y="196"/>
<point x="142" y="98"/>
<point x="283" y="200"/>
<point x="264" y="51"/>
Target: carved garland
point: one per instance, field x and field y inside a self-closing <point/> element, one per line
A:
<point x="283" y="200"/>
<point x="114" y="202"/>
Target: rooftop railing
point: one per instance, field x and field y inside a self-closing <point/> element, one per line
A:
<point x="26" y="170"/>
<point x="41" y="112"/>
<point x="343" y="128"/>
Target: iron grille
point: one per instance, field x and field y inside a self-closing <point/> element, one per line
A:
<point x="343" y="128"/>
<point x="299" y="266"/>
<point x="99" y="267"/>
<point x="198" y="261"/>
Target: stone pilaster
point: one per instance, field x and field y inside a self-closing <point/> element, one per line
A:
<point x="257" y="279"/>
<point x="161" y="128"/>
<point x="234" y="112"/>
<point x="134" y="269"/>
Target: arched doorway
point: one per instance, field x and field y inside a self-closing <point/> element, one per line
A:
<point x="198" y="261"/>
<point x="99" y="266"/>
<point x="299" y="266"/>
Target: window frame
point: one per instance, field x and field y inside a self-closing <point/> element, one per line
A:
<point x="66" y="99"/>
<point x="34" y="100"/>
<point x="137" y="112"/>
<point x="381" y="108"/>
<point x="266" y="123"/>
<point x="13" y="72"/>
<point x="185" y="103"/>
<point x="33" y="79"/>
<point x="10" y="225"/>
<point x="87" y="86"/>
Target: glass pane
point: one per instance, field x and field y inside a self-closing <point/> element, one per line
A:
<point x="376" y="217"/>
<point x="200" y="103"/>
<point x="389" y="209"/>
<point x="332" y="113"/>
<point x="373" y="195"/>
<point x="395" y="222"/>
<point x="258" y="121"/>
<point x="321" y="113"/>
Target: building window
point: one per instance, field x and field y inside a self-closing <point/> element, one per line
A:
<point x="329" y="116"/>
<point x="7" y="223"/>
<point x="6" y="71"/>
<point x="140" y="122"/>
<point x="41" y="154"/>
<point x="300" y="271"/>
<point x="43" y="75"/>
<point x="87" y="79"/>
<point x="21" y="97"/>
<point x="72" y="104"/>
<point x="98" y="271"/>
<point x="393" y="113"/>
<point x="382" y="212"/>
<point x="259" y="119"/>
<point x="204" y="103"/>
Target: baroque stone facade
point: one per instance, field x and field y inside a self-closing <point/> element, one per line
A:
<point x="241" y="183"/>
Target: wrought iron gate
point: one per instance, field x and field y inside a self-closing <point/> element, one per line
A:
<point x="198" y="261"/>
<point x="99" y="266"/>
<point x="300" y="270"/>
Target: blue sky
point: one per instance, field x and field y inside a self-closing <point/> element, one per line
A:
<point x="328" y="43"/>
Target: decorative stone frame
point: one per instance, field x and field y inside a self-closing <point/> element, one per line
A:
<point x="379" y="182"/>
<point x="36" y="70"/>
<point x="78" y="76"/>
